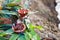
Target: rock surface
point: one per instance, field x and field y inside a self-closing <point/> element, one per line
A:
<point x="46" y="16"/>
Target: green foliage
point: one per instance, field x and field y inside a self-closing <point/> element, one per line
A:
<point x="14" y="37"/>
<point x="31" y="35"/>
<point x="27" y="35"/>
<point x="5" y="26"/>
<point x="11" y="4"/>
<point x="9" y="31"/>
<point x="16" y="1"/>
<point x="11" y="1"/>
<point x="2" y="38"/>
<point x="2" y="34"/>
<point x="17" y="7"/>
<point x="10" y="11"/>
<point x="34" y="36"/>
<point x="33" y="27"/>
<point x="21" y="37"/>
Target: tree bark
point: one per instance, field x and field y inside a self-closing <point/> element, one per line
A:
<point x="46" y="16"/>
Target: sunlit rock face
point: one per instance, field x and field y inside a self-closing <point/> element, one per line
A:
<point x="58" y="11"/>
<point x="58" y="8"/>
<point x="46" y="16"/>
<point x="57" y="1"/>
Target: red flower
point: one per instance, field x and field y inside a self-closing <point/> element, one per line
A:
<point x="23" y="12"/>
<point x="19" y="28"/>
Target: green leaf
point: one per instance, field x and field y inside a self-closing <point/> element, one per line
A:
<point x="4" y="15"/>
<point x="11" y="1"/>
<point x="21" y="37"/>
<point x="2" y="38"/>
<point x="17" y="7"/>
<point x="32" y="35"/>
<point x="1" y="25"/>
<point x="2" y="34"/>
<point x="14" y="37"/>
<point x="33" y="26"/>
<point x="39" y="27"/>
<point x="27" y="35"/>
<point x="11" y="4"/>
<point x="9" y="31"/>
<point x="8" y="12"/>
<point x="16" y="1"/>
<point x="35" y="36"/>
<point x="5" y="26"/>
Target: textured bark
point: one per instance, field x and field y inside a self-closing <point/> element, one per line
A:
<point x="46" y="16"/>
